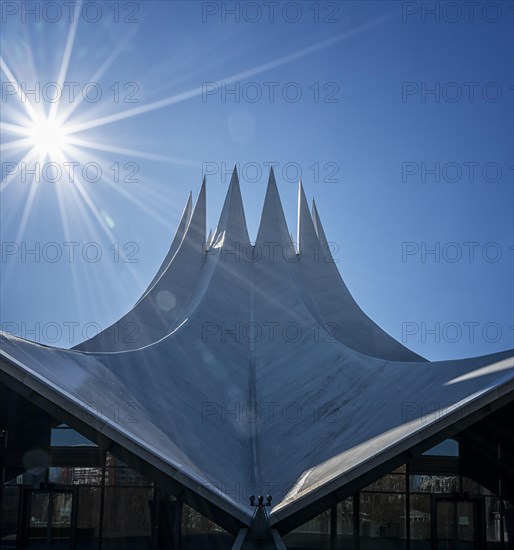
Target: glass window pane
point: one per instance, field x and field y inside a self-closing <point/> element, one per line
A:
<point x="38" y="516"/>
<point x="391" y="483"/>
<point x="200" y="532"/>
<point x="33" y="477"/>
<point x="194" y="521"/>
<point x="124" y="476"/>
<point x="315" y="533"/>
<point x="420" y="521"/>
<point x="434" y="484"/>
<point x="9" y="516"/>
<point x="60" y="516"/>
<point x="383" y="516"/>
<point x="319" y="524"/>
<point x="66" y="437"/>
<point x="118" y="473"/>
<point x="448" y="447"/>
<point x="466" y="521"/>
<point x="112" y="461"/>
<point x="75" y="476"/>
<point x="474" y="488"/>
<point x="126" y="521"/>
<point x="49" y="517"/>
<point x="88" y="519"/>
<point x="492" y="519"/>
<point x="345" y="517"/>
<point x="446" y="523"/>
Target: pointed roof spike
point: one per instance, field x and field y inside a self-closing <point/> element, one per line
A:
<point x="177" y="239"/>
<point x="273" y="223"/>
<point x="232" y="219"/>
<point x="186" y="214"/>
<point x="314" y="213"/>
<point x="197" y="224"/>
<point x="235" y="175"/>
<point x="194" y="235"/>
<point x="307" y="235"/>
<point x="319" y="228"/>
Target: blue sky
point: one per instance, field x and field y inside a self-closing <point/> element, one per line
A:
<point x="362" y="135"/>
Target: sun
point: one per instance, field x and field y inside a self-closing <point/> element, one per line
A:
<point x="48" y="137"/>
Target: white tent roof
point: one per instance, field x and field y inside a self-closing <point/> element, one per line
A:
<point x="253" y="370"/>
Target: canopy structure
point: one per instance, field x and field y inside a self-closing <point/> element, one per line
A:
<point x="248" y="368"/>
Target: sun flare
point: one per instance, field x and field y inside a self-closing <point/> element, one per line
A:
<point x="48" y="137"/>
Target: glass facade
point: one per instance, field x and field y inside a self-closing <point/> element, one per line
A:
<point x="410" y="511"/>
<point x="88" y="499"/>
<point x="382" y="515"/>
<point x="108" y="506"/>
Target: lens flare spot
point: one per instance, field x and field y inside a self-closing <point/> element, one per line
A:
<point x="166" y="300"/>
<point x="108" y="220"/>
